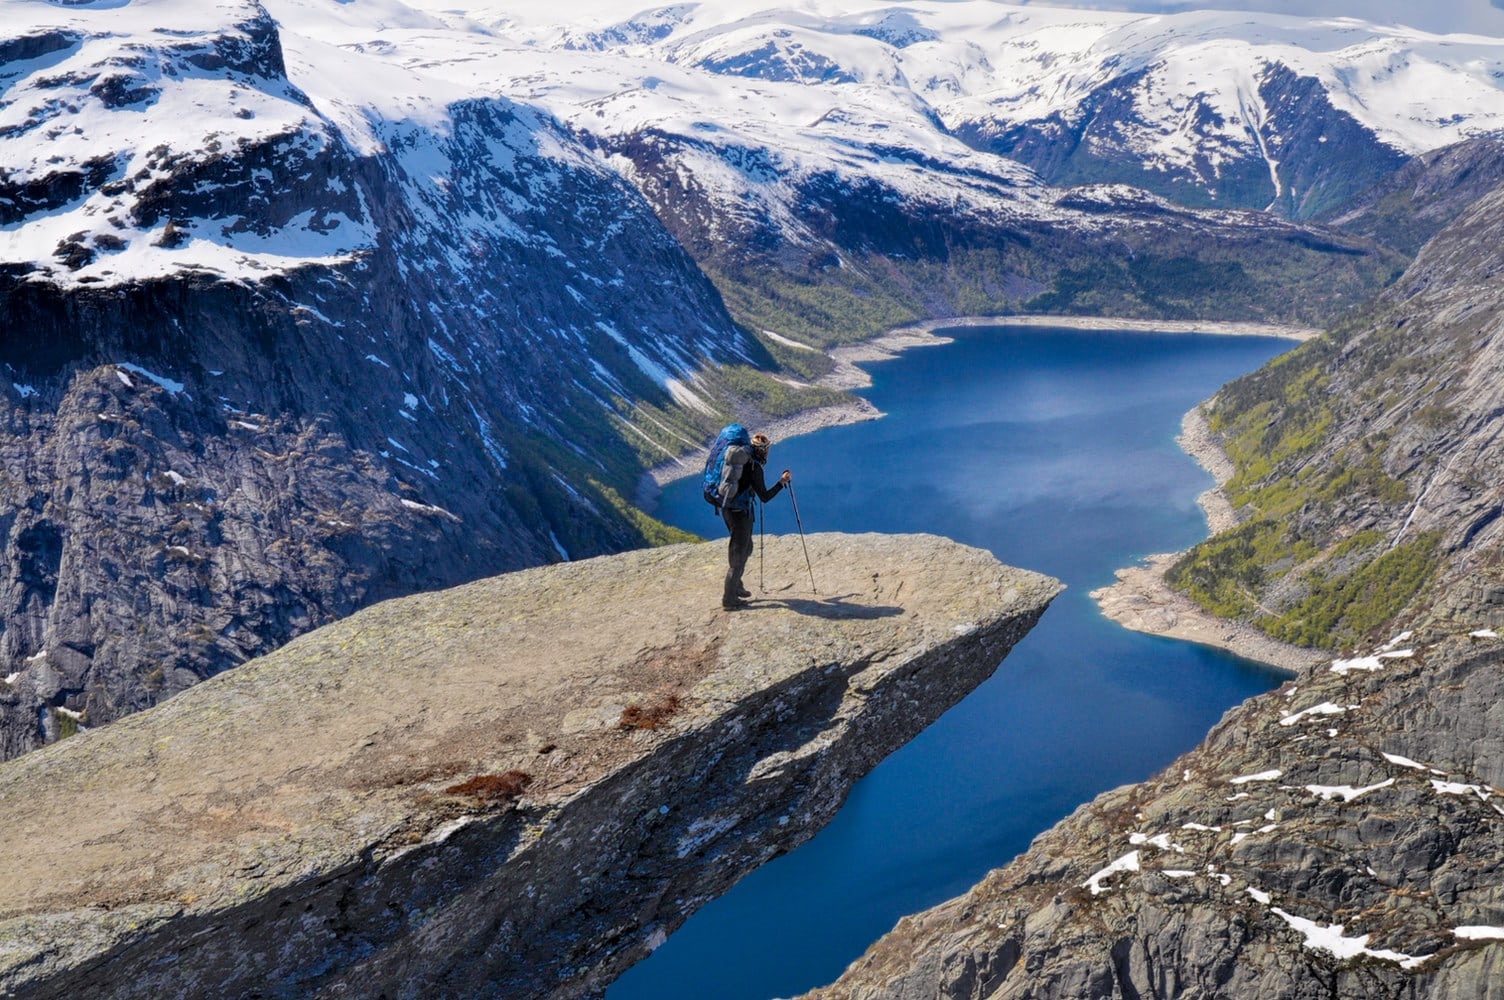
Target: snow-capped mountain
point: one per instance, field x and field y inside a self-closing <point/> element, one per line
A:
<point x="304" y="304"/>
<point x="1231" y="109"/>
<point x="792" y="140"/>
<point x="287" y="330"/>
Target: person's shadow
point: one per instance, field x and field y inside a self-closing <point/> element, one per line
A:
<point x="830" y="607"/>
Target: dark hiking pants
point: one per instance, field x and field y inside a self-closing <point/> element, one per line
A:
<point x="738" y="551"/>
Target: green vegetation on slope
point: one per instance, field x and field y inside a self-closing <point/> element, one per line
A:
<point x="1342" y="609"/>
<point x="657" y="432"/>
<point x="654" y="531"/>
<point x="66" y="724"/>
<point x="826" y="307"/>
<point x="1343" y="595"/>
<point x="1226" y="573"/>
<point x="772" y="396"/>
<point x="1307" y="471"/>
<point x="1180" y="287"/>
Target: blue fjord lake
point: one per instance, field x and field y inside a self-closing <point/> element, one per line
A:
<point x="1055" y="451"/>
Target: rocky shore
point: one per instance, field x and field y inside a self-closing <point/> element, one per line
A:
<point x="1141" y="599"/>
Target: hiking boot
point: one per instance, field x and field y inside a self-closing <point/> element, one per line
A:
<point x="744" y="593"/>
<point x="735" y="605"/>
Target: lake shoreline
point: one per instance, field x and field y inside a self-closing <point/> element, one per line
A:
<point x="848" y="376"/>
<point x="1143" y="600"/>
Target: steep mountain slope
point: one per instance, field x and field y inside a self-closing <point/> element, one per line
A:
<point x="1362" y="460"/>
<point x="285" y="332"/>
<point x="1408" y="208"/>
<point x="1340" y="837"/>
<point x="1217" y="110"/>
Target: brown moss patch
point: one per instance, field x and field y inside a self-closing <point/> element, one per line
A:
<point x="650" y="716"/>
<point x="680" y="664"/>
<point x="495" y="787"/>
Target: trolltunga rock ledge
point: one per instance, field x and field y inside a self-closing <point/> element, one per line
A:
<point x="516" y="787"/>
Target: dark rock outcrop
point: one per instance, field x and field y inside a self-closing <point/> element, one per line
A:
<point x="513" y="788"/>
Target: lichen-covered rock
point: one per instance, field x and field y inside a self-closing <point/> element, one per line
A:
<point x="512" y="788"/>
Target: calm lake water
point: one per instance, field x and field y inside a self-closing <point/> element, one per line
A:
<point x="1055" y="451"/>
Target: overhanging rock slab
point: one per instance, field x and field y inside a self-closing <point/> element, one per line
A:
<point x="512" y="788"/>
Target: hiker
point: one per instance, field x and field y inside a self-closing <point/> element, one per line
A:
<point x="741" y="479"/>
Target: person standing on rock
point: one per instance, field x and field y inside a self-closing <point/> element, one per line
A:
<point x="741" y="481"/>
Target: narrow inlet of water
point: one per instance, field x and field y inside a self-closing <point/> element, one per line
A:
<point x="1055" y="451"/>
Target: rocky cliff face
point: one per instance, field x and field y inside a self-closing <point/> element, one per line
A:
<point x="273" y="353"/>
<point x="513" y="788"/>
<point x="1341" y="836"/>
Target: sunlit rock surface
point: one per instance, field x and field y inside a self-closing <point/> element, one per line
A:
<point x="512" y="788"/>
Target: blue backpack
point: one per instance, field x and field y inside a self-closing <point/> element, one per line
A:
<point x="730" y="434"/>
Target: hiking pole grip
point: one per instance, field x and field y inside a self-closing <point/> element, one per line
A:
<point x="808" y="565"/>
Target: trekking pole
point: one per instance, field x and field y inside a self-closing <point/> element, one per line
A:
<point x="762" y="529"/>
<point x="794" y="500"/>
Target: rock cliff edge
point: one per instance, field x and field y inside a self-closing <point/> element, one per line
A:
<point x="516" y="787"/>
